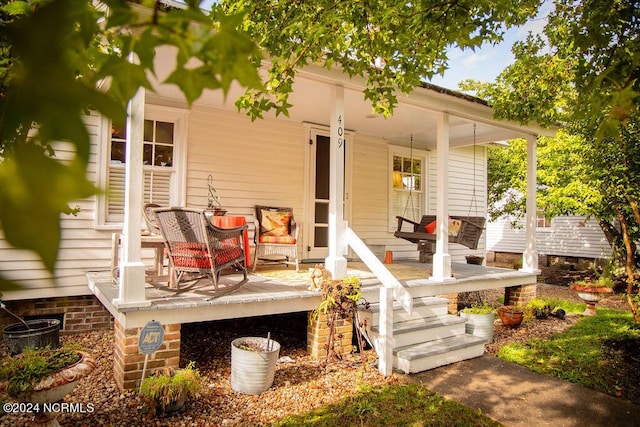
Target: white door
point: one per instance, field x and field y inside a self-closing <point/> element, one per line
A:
<point x="316" y="223"/>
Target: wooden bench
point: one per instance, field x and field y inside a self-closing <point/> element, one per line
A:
<point x="471" y="229"/>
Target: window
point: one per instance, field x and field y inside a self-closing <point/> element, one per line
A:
<point x="162" y="144"/>
<point x="407" y="174"/>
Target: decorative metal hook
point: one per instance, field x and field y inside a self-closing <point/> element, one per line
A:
<point x="214" y="199"/>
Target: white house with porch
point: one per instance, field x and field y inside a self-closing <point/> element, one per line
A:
<point x="331" y="161"/>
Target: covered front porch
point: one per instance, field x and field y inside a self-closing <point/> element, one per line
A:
<point x="271" y="290"/>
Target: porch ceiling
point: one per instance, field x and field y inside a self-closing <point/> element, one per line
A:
<point x="415" y="115"/>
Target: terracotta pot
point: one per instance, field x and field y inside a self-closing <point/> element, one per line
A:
<point x="510" y="318"/>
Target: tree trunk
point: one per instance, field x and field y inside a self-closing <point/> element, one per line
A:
<point x="629" y="265"/>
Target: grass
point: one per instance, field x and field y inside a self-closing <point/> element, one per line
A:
<point x="410" y="405"/>
<point x="591" y="353"/>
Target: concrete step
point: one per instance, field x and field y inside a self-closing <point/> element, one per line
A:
<point x="422" y="308"/>
<point x="429" y="355"/>
<point x="414" y="331"/>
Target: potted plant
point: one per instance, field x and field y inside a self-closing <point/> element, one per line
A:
<point x="479" y="320"/>
<point x="591" y="292"/>
<point x="167" y="390"/>
<point x="540" y="308"/>
<point x="44" y="375"/>
<point x="511" y="315"/>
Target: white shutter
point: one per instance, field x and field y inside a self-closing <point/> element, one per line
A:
<point x="157" y="186"/>
<point x="157" y="189"/>
<point x="115" y="194"/>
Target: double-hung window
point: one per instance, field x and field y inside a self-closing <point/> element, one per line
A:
<point x="407" y="184"/>
<point x="163" y="146"/>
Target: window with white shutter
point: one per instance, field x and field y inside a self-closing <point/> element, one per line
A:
<point x="162" y="153"/>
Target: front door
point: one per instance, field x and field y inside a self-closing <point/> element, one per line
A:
<point x="316" y="225"/>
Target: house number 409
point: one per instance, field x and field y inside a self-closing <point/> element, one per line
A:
<point x="340" y="131"/>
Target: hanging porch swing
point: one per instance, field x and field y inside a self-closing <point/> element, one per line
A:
<point x="470" y="227"/>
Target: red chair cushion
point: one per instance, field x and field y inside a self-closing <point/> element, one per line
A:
<point x="195" y="255"/>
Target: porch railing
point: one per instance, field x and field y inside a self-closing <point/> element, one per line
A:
<point x="391" y="289"/>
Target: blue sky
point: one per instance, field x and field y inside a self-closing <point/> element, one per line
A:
<point x="487" y="62"/>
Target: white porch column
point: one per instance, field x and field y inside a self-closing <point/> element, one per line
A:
<point x="132" y="280"/>
<point x="336" y="263"/>
<point x="530" y="255"/>
<point x="442" y="258"/>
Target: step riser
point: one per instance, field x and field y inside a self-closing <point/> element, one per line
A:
<point x="434" y="361"/>
<point x="424" y="335"/>
<point x="418" y="313"/>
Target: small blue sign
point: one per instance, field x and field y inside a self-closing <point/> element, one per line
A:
<point x="151" y="337"/>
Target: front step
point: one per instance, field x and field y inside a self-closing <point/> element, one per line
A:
<point x="426" y="339"/>
<point x="422" y="308"/>
<point x="422" y="330"/>
<point x="429" y="355"/>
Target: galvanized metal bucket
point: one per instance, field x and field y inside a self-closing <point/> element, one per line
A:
<point x="480" y="325"/>
<point x="253" y="364"/>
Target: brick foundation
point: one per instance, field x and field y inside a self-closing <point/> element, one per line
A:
<point x="78" y="313"/>
<point x="128" y="362"/>
<point x="452" y="307"/>
<point x="318" y="336"/>
<point x="520" y="295"/>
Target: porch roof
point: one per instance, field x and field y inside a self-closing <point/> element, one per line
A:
<point x="415" y="115"/>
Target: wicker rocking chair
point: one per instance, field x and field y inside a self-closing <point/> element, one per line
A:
<point x="198" y="247"/>
<point x="275" y="236"/>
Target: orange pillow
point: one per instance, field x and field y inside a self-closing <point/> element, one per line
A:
<point x="431" y="227"/>
<point x="275" y="223"/>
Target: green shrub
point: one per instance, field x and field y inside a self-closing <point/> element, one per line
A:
<point x="485" y="308"/>
<point x="541" y="308"/>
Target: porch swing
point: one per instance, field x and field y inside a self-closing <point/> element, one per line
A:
<point x="471" y="227"/>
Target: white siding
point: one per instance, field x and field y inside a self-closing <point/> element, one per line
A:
<point x="567" y="236"/>
<point x="261" y="162"/>
<point x="82" y="247"/>
<point x="252" y="163"/>
<point x="370" y="194"/>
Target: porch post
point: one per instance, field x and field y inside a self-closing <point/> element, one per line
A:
<point x="336" y="263"/>
<point x="530" y="255"/>
<point x="442" y="258"/>
<point x="132" y="270"/>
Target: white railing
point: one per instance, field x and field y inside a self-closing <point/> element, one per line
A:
<point x="391" y="289"/>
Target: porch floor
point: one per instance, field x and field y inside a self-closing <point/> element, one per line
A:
<point x="273" y="290"/>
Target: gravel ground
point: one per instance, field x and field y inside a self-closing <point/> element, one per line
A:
<point x="301" y="384"/>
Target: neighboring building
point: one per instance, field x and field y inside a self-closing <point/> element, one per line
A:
<point x="562" y="236"/>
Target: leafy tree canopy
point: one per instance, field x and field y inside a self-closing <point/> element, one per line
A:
<point x="61" y="58"/>
<point x="393" y="45"/>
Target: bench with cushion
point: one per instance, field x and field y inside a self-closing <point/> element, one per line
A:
<point x="464" y="230"/>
